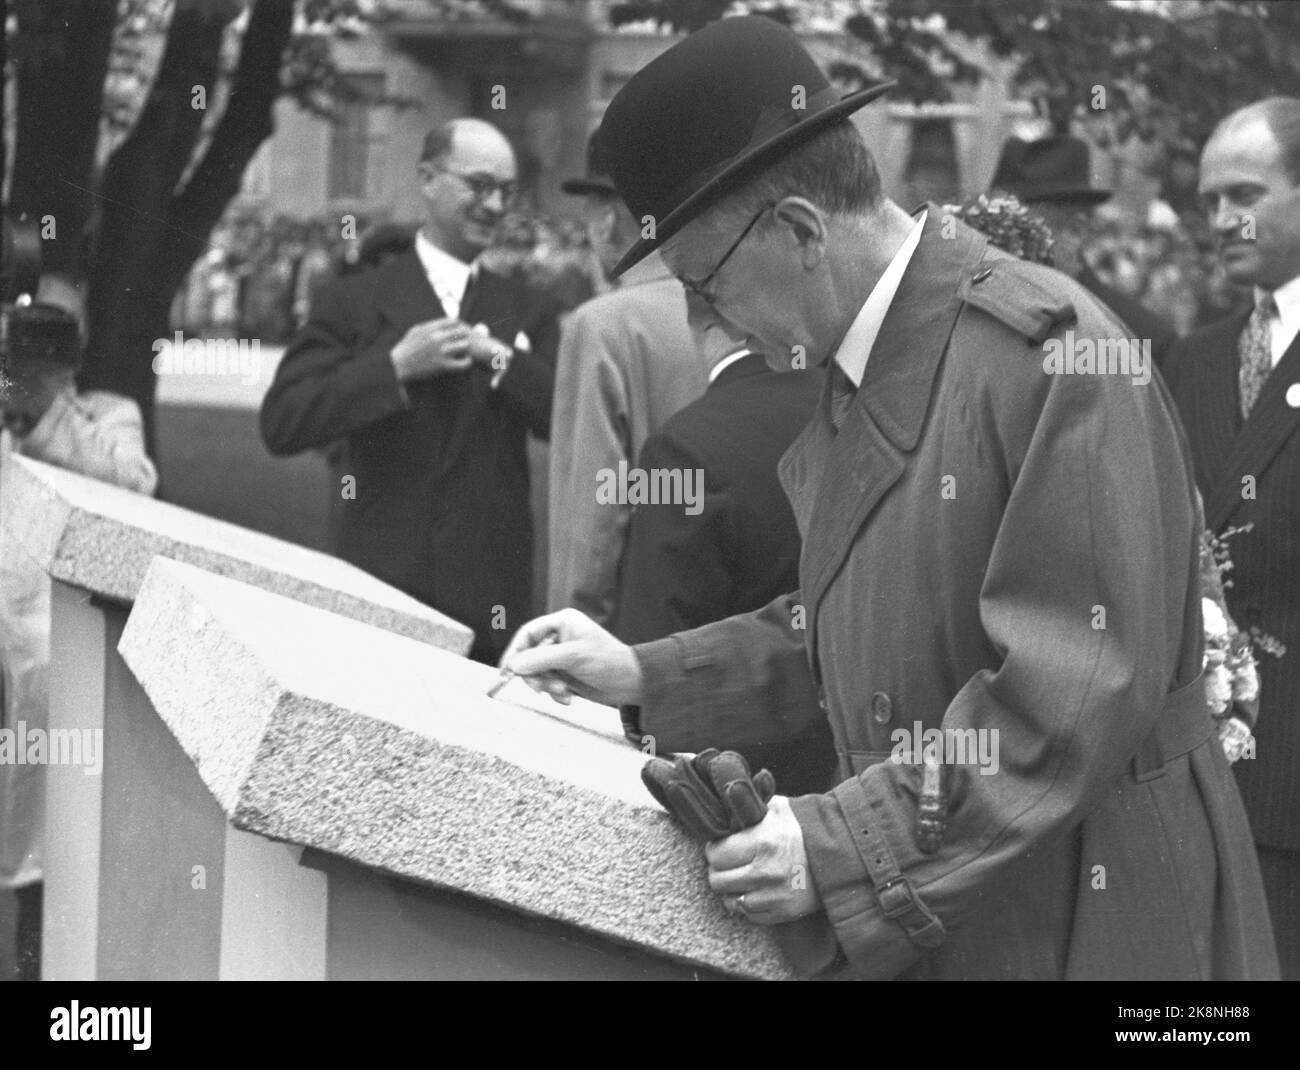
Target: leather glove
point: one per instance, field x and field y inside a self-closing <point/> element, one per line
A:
<point x="712" y="794"/>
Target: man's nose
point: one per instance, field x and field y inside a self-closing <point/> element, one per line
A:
<point x="495" y="201"/>
<point x="1223" y="216"/>
<point x="700" y="314"/>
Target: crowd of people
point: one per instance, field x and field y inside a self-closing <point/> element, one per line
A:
<point x="259" y="276"/>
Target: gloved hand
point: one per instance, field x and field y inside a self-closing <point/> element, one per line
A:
<point x="712" y="794"/>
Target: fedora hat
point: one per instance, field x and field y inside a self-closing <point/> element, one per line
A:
<point x="701" y="118"/>
<point x="1050" y="169"/>
<point x="596" y="180"/>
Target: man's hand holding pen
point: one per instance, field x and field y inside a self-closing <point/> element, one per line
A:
<point x="567" y="653"/>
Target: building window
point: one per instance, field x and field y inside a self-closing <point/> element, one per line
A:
<point x="352" y="142"/>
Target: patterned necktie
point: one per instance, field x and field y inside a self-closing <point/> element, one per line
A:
<point x="1256" y="352"/>
<point x="842" y="394"/>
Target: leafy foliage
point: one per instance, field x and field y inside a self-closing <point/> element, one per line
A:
<point x="1168" y="68"/>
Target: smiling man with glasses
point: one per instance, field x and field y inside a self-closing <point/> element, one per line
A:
<point x="433" y="370"/>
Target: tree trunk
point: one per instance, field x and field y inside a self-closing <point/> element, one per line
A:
<point x="60" y="56"/>
<point x="152" y="230"/>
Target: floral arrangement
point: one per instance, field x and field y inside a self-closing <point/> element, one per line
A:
<point x="1231" y="671"/>
<point x="1008" y="225"/>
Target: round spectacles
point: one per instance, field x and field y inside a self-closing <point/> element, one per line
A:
<point x="698" y="288"/>
<point x="483" y="186"/>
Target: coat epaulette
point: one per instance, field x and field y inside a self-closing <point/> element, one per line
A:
<point x="1006" y="291"/>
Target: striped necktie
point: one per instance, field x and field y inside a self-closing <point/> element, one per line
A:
<point x="1255" y="349"/>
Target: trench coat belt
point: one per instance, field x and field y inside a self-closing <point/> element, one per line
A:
<point x="1183" y="725"/>
<point x="898" y="899"/>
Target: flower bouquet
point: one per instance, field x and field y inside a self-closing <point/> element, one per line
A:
<point x="1231" y="671"/>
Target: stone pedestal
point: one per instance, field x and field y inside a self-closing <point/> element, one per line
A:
<point x="96" y="542"/>
<point x="447" y="834"/>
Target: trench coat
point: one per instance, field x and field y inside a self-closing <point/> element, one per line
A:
<point x="989" y="547"/>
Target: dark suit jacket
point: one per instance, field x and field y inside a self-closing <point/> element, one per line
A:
<point x="742" y="549"/>
<point x="1265" y="589"/>
<point x="961" y="533"/>
<point x="1140" y="320"/>
<point x="441" y="508"/>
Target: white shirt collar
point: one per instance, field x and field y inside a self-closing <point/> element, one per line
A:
<point x="726" y="362"/>
<point x="1286" y="324"/>
<point x="447" y="275"/>
<point x="858" y="341"/>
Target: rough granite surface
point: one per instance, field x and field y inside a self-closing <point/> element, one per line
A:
<point x="102" y="538"/>
<point x="320" y="730"/>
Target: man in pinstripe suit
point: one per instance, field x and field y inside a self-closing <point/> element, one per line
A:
<point x="1237" y="384"/>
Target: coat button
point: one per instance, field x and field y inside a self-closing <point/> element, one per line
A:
<point x="981" y="275"/>
<point x="821" y="701"/>
<point x="881" y="708"/>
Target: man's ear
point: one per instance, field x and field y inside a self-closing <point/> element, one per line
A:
<point x="806" y="224"/>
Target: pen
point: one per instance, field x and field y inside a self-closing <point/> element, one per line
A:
<point x="506" y="675"/>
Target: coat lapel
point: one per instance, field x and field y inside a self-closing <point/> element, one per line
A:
<point x="1271" y="422"/>
<point x="1216" y="405"/>
<point x="410" y="299"/>
<point x="867" y="456"/>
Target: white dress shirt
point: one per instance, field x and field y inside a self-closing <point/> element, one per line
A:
<point x="1285" y="324"/>
<point x="726" y="362"/>
<point x="858" y="341"/>
<point x="447" y="275"/>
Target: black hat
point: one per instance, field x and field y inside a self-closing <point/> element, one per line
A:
<point x="1050" y="169"/>
<point x="44" y="334"/>
<point x="715" y="108"/>
<point x="596" y="180"/>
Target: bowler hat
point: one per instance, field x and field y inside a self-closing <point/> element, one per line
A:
<point x="1050" y="169"/>
<point x="596" y="180"/>
<point x="717" y="107"/>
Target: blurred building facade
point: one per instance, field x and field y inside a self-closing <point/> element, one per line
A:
<point x="546" y="84"/>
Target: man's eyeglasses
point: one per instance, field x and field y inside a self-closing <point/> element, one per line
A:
<point x="483" y="186"/>
<point x="698" y="288"/>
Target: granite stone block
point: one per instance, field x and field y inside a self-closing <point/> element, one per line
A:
<point x="313" y="728"/>
<point x="102" y="538"/>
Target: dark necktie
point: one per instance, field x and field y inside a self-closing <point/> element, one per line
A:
<point x="467" y="298"/>
<point x="1255" y="349"/>
<point x="842" y="394"/>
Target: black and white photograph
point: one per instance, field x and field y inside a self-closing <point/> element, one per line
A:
<point x="637" y="490"/>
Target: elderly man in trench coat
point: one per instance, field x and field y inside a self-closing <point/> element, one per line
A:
<point x="998" y="543"/>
